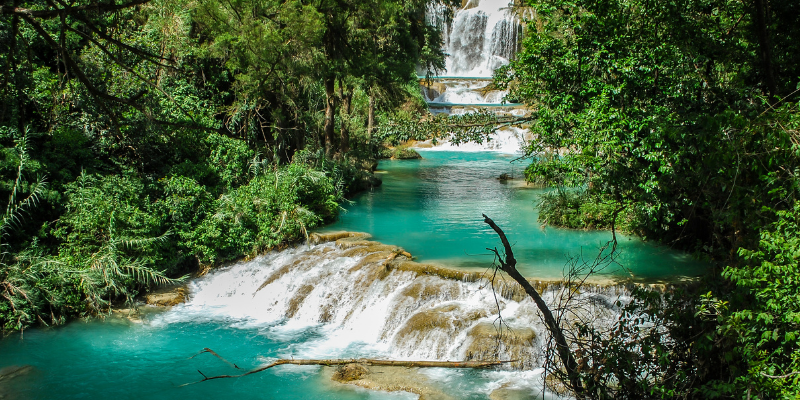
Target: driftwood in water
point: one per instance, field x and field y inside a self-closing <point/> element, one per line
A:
<point x="362" y="361"/>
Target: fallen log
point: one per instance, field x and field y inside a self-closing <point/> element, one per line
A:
<point x="362" y="361"/>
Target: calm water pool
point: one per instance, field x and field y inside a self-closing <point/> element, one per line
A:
<point x="432" y="207"/>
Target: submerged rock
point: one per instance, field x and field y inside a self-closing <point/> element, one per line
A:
<point x="490" y="342"/>
<point x="510" y="393"/>
<point x="393" y="379"/>
<point x="9" y="378"/>
<point x="14" y="371"/>
<point x="349" y="372"/>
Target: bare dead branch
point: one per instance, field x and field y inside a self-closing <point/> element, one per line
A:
<point x="780" y="376"/>
<point x="207" y="350"/>
<point x="508" y="265"/>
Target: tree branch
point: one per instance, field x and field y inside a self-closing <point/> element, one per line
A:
<point x="508" y="265"/>
<point x="47" y="14"/>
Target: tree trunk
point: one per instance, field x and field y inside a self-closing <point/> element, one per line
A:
<point x="371" y="116"/>
<point x="330" y="110"/>
<point x="765" y="48"/>
<point x="347" y="99"/>
<point x="508" y="265"/>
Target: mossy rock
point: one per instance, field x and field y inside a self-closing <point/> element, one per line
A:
<point x="405" y="153"/>
<point x="317" y="238"/>
<point x="489" y="342"/>
<point x="399" y="153"/>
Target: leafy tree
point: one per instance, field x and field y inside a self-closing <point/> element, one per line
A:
<point x="663" y="107"/>
<point x="684" y="115"/>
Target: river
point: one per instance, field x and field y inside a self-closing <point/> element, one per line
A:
<point x="328" y="301"/>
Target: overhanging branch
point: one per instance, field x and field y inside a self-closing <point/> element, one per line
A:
<point x="54" y="13"/>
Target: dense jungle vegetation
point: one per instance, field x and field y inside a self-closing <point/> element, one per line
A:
<point x="678" y="120"/>
<point x="144" y="139"/>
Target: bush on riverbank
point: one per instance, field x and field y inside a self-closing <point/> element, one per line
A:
<point x="579" y="209"/>
<point x="399" y="153"/>
<point x="118" y="231"/>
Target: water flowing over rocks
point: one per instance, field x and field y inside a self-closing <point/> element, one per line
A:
<point x="167" y="297"/>
<point x="371" y="299"/>
<point x="482" y="36"/>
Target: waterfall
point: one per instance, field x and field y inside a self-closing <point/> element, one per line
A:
<point x="369" y="300"/>
<point x="483" y="35"/>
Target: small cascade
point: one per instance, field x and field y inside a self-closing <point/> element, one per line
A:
<point x="463" y="92"/>
<point x="367" y="299"/>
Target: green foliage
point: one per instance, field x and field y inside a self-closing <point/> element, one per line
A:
<point x="665" y="121"/>
<point x="99" y="206"/>
<point x="686" y="114"/>
<point x="650" y="352"/>
<point x="764" y="315"/>
<point x="151" y="119"/>
<point x="399" y="153"/>
<point x="272" y="208"/>
<point x="473" y="127"/>
<point x="580" y="209"/>
<point x="230" y="158"/>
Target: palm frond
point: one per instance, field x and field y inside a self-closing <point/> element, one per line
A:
<point x="15" y="208"/>
<point x="139" y="242"/>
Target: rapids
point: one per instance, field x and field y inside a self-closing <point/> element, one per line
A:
<point x="339" y="296"/>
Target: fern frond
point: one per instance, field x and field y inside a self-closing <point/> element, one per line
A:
<point x="147" y="276"/>
<point x="134" y="243"/>
<point x="14" y="209"/>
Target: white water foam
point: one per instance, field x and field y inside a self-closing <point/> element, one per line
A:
<point x="509" y="140"/>
<point x="464" y="92"/>
<point x="359" y="307"/>
<point x="483" y="36"/>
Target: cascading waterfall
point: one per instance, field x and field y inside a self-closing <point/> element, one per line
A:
<point x="369" y="300"/>
<point x="482" y="36"/>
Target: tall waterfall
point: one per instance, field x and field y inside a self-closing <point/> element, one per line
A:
<point x="369" y="300"/>
<point x="483" y="35"/>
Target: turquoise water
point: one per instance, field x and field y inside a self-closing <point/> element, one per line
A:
<point x="121" y="360"/>
<point x="432" y="207"/>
